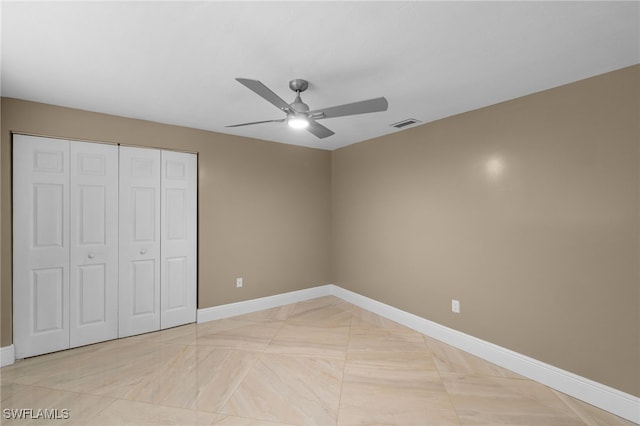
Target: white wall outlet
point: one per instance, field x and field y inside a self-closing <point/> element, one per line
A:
<point x="455" y="306"/>
<point x="239" y="282"/>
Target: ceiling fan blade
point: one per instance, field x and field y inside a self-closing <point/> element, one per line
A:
<point x="362" y="107"/>
<point x="257" y="122"/>
<point x="318" y="129"/>
<point x="266" y="93"/>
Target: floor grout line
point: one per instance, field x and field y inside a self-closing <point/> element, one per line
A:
<point x="344" y="368"/>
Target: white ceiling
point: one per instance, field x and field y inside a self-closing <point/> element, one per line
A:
<point x="175" y="62"/>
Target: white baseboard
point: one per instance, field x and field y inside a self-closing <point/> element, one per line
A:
<point x="612" y="400"/>
<point x="254" y="305"/>
<point x="7" y="355"/>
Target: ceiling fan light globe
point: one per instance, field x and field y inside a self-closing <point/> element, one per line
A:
<point x="298" y="122"/>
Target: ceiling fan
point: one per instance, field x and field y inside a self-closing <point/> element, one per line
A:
<point x="298" y="113"/>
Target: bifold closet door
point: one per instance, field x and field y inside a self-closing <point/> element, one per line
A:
<point x="93" y="286"/>
<point x="178" y="239"/>
<point x="158" y="239"/>
<point x="40" y="245"/>
<point x="104" y="242"/>
<point x="65" y="276"/>
<point x="139" y="284"/>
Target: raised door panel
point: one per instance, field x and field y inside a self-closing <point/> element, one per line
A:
<point x="40" y="245"/>
<point x="179" y="239"/>
<point x="94" y="243"/>
<point x="139" y="298"/>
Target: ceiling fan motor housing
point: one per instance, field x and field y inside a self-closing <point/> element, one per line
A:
<point x="298" y="85"/>
<point x="299" y="106"/>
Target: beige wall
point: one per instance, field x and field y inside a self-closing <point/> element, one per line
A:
<point x="263" y="213"/>
<point x="526" y="211"/>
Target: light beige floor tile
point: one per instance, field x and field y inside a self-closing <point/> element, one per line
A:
<point x="115" y="373"/>
<point x="182" y="335"/>
<point x="363" y="319"/>
<point x="223" y="419"/>
<point x="391" y="393"/>
<point x="163" y="374"/>
<point x="386" y="407"/>
<point x="279" y="313"/>
<point x="591" y="415"/>
<point x="288" y="389"/>
<point x="196" y="377"/>
<point x="451" y="360"/>
<point x="323" y="301"/>
<point x="500" y="400"/>
<point x="35" y="369"/>
<point x="9" y="389"/>
<point x="264" y="368"/>
<point x="425" y="383"/>
<point x="411" y="361"/>
<point x="219" y="374"/>
<point x="123" y="412"/>
<point x="343" y="304"/>
<point x="310" y="340"/>
<point x="324" y="311"/>
<point x="225" y="324"/>
<point x="203" y="379"/>
<point x="45" y="367"/>
<point x="380" y="339"/>
<point x="81" y="408"/>
<point x="253" y="336"/>
<point x="11" y="392"/>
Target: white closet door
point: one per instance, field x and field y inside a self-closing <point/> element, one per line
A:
<point x="93" y="300"/>
<point x="139" y="284"/>
<point x="40" y="245"/>
<point x="179" y="239"/>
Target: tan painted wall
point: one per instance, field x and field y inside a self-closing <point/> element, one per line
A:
<point x="264" y="208"/>
<point x="526" y="211"/>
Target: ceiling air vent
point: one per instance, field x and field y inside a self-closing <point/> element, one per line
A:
<point x="404" y="123"/>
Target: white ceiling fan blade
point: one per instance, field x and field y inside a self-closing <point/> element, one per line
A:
<point x="266" y="93"/>
<point x="318" y="129"/>
<point x="256" y="122"/>
<point x="362" y="107"/>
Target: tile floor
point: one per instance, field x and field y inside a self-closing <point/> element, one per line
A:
<point x="318" y="362"/>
